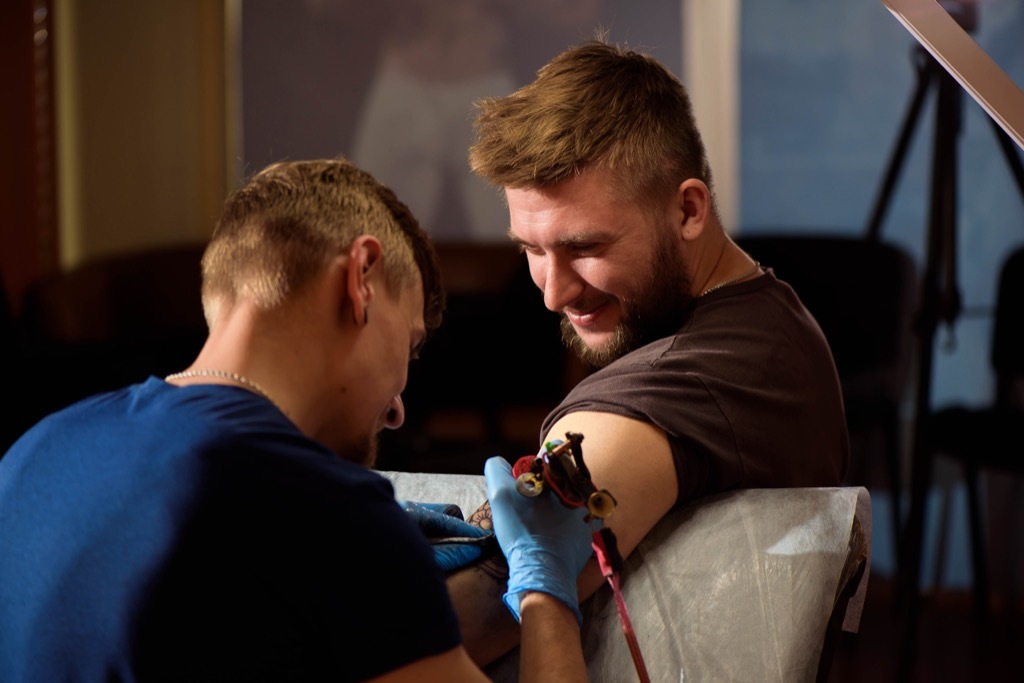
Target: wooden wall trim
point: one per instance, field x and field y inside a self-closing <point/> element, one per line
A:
<point x="28" y="198"/>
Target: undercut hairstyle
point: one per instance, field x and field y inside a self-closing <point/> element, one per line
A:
<point x="593" y="106"/>
<point x="279" y="232"/>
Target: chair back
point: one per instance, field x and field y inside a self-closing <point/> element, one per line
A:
<point x="1008" y="333"/>
<point x="111" y="321"/>
<point x="140" y="297"/>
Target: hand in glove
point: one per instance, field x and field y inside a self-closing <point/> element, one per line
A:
<point x="546" y="543"/>
<point x="456" y="542"/>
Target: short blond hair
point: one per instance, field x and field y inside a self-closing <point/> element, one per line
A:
<point x="279" y="232"/>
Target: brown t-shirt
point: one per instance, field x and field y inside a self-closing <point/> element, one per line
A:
<point x="746" y="391"/>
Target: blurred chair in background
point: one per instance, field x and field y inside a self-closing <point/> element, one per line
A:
<point x="110" y="322"/>
<point x="863" y="293"/>
<point x="990" y="437"/>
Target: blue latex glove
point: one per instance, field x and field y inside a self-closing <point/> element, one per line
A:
<point x="546" y="543"/>
<point x="456" y="543"/>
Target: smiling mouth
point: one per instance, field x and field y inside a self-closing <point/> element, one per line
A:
<point x="586" y="319"/>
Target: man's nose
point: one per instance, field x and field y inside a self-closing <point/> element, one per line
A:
<point x="561" y="284"/>
<point x="395" y="416"/>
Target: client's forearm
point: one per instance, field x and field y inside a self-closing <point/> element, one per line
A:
<point x="551" y="648"/>
<point x="488" y="629"/>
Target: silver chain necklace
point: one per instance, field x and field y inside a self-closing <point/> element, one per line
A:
<point x="731" y="281"/>
<point x="225" y="375"/>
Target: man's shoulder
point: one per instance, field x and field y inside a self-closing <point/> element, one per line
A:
<point x="757" y="309"/>
<point x="737" y="336"/>
<point x="761" y="294"/>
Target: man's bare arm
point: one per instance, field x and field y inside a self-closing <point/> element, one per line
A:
<point x="488" y="629"/>
<point x="633" y="461"/>
<point x="551" y="648"/>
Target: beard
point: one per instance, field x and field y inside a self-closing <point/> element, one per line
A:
<point x="362" y="452"/>
<point x="657" y="309"/>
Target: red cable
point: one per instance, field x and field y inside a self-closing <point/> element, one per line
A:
<point x="620" y="604"/>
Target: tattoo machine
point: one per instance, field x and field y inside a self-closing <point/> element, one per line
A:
<point x="560" y="467"/>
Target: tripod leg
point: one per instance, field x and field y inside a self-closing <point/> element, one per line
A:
<point x="891" y="436"/>
<point x="978" y="547"/>
<point x="924" y="79"/>
<point x="941" y="240"/>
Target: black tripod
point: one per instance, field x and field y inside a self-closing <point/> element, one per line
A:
<point x="939" y="303"/>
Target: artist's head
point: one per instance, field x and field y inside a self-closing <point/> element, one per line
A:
<point x="604" y="170"/>
<point x="278" y="232"/>
<point x="282" y="232"/>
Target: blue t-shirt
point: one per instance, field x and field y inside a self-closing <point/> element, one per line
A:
<point x="193" y="533"/>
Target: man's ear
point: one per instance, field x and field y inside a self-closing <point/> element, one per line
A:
<point x="362" y="275"/>
<point x="693" y="206"/>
